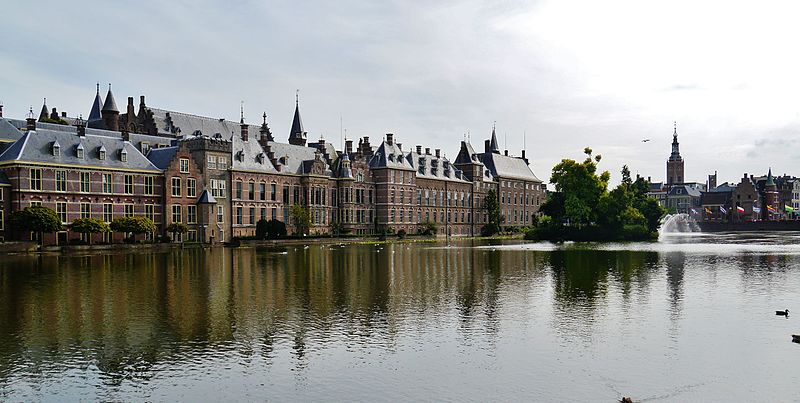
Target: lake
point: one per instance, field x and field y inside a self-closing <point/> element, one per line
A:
<point x="689" y="318"/>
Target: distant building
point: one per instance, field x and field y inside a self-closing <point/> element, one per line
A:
<point x="675" y="162"/>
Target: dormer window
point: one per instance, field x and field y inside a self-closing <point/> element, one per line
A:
<point x="260" y="158"/>
<point x="123" y="155"/>
<point x="391" y="157"/>
<point x="56" y="149"/>
<point x="101" y="153"/>
<point x="79" y="151"/>
<point x="240" y="155"/>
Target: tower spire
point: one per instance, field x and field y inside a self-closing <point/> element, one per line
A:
<point x="297" y="136"/>
<point x="241" y="112"/>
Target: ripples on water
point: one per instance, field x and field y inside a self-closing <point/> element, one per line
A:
<point x="688" y="318"/>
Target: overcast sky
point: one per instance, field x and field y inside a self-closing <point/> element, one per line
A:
<point x="567" y="74"/>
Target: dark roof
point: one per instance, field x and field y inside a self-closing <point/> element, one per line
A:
<point x="297" y="125"/>
<point x="249" y="155"/>
<point x="429" y="166"/>
<point x="389" y="156"/>
<point x="161" y="157"/>
<point x="680" y="190"/>
<point x="36" y="146"/>
<point x="4" y="179"/>
<point x="206" y="198"/>
<point x="97" y="105"/>
<point x="293" y="156"/>
<point x="8" y="131"/>
<point x="110" y="104"/>
<point x="723" y="188"/>
<point x="495" y="147"/>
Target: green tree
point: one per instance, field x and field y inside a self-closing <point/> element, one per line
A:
<point x="581" y="188"/>
<point x="36" y="219"/>
<point x="492" y="206"/>
<point x="272" y="229"/>
<point x="177" y="228"/>
<point x="301" y="218"/>
<point x="133" y="225"/>
<point x="89" y="226"/>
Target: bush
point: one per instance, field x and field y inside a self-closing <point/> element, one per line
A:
<point x="163" y="239"/>
<point x="275" y="229"/>
<point x="427" y="228"/>
<point x="490" y="229"/>
<point x="77" y="241"/>
<point x="401" y="234"/>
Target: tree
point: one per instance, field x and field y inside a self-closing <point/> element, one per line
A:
<point x="581" y="188"/>
<point x="133" y="225"/>
<point x="427" y="228"/>
<point x="36" y="219"/>
<point x="272" y="229"/>
<point x="89" y="226"/>
<point x="177" y="228"/>
<point x="301" y="218"/>
<point x="492" y="206"/>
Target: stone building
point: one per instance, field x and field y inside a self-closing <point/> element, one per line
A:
<point x="675" y="162"/>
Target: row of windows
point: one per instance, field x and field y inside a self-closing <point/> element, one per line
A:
<point x="517" y="198"/>
<point x="129" y="210"/>
<point x="403" y="216"/>
<point x="434" y="198"/>
<point x="84" y="180"/>
<point x="262" y="191"/>
<point x="177" y="214"/>
<point x="177" y="187"/>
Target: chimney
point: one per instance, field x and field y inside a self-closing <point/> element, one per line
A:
<point x="366" y="149"/>
<point x="523" y="157"/>
<point x="1" y="109"/>
<point x="81" y="127"/>
<point x="54" y="114"/>
<point x="419" y="149"/>
<point x="125" y="135"/>
<point x="348" y="146"/>
<point x="321" y="145"/>
<point x="506" y="153"/>
<point x="389" y="138"/>
<point x="487" y="146"/>
<point x="243" y="127"/>
<point x="427" y="151"/>
<point x="31" y="121"/>
<point x="438" y="153"/>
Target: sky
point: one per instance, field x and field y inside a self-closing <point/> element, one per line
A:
<point x="554" y="76"/>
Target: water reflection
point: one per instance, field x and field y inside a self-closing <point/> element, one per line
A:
<point x="127" y="319"/>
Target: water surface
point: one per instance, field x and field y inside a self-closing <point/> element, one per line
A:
<point x="689" y="318"/>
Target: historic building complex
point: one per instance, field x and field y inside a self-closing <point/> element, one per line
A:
<point x="220" y="177"/>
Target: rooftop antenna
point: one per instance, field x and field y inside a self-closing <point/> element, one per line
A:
<point x="524" y="134"/>
<point x="297" y="97"/>
<point x="98" y="88"/>
<point x="341" y="131"/>
<point x="241" y="111"/>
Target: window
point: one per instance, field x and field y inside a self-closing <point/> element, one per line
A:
<point x="56" y="149"/>
<point x="262" y="191"/>
<point x="129" y="210"/>
<point x="79" y="151"/>
<point x="85" y="182"/>
<point x="286" y="194"/>
<point x="36" y="203"/>
<point x="101" y="154"/>
<point x="61" y="181"/>
<point x="176" y="213"/>
<point x="148" y="185"/>
<point x="184" y="165"/>
<point x="107" y="186"/>
<point x="108" y="212"/>
<point x="274" y="213"/>
<point x="86" y="210"/>
<point x="191" y="187"/>
<point x="212" y="162"/>
<point x="61" y="209"/>
<point x="176" y="187"/>
<point x="36" y="179"/>
<point x="129" y="184"/>
<point x="123" y="156"/>
<point x="150" y="212"/>
<point x="2" y="226"/>
<point x="222" y="163"/>
<point x="239" y="215"/>
<point x="218" y="188"/>
<point x="273" y="192"/>
<point x="220" y="215"/>
<point x="251" y="190"/>
<point x="252" y="215"/>
<point x="145" y="147"/>
<point x="264" y="213"/>
<point x="238" y="189"/>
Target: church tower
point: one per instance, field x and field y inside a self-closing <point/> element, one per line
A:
<point x="675" y="162"/>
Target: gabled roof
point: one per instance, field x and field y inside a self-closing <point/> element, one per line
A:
<point x="389" y="156"/>
<point x="35" y="147"/>
<point x="206" y="198"/>
<point x="162" y="157"/>
<point x="173" y="123"/>
<point x="249" y="156"/>
<point x="467" y="154"/>
<point x="505" y="167"/>
<point x="680" y="190"/>
<point x="293" y="156"/>
<point x="431" y="167"/>
<point x="8" y="131"/>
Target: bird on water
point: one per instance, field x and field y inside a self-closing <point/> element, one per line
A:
<point x="783" y="313"/>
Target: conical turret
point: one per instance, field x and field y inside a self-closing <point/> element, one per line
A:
<point x="495" y="147"/>
<point x="297" y="135"/>
<point x="97" y="105"/>
<point x="110" y="112"/>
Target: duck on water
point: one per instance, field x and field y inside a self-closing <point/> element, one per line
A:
<point x="783" y="313"/>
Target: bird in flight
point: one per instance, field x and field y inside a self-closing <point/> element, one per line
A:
<point x="645" y="140"/>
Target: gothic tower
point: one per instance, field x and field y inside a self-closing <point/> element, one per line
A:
<point x="675" y="162"/>
<point x="297" y="136"/>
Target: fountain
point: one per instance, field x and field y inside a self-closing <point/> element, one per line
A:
<point x="677" y="223"/>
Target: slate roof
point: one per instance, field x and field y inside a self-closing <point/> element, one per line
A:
<point x="505" y="167"/>
<point x="389" y="156"/>
<point x="173" y="123"/>
<point x="431" y="167"/>
<point x="206" y="197"/>
<point x="36" y="147"/>
<point x="161" y="157"/>
<point x="723" y="188"/>
<point x="292" y="157"/>
<point x="8" y="131"/>
<point x="297" y="125"/>
<point x="684" y="190"/>
<point x="110" y="104"/>
<point x="97" y="105"/>
<point x="249" y="155"/>
<point x="4" y="179"/>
